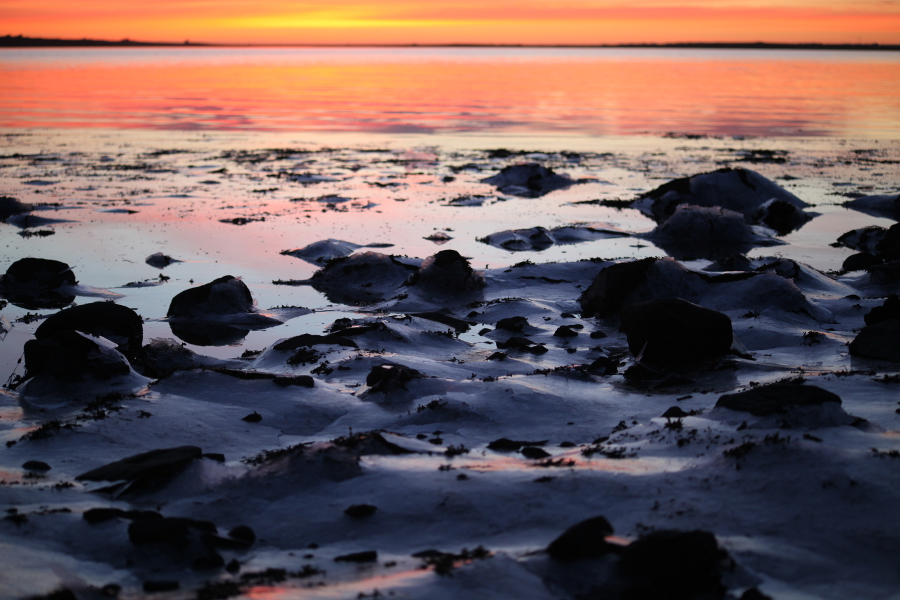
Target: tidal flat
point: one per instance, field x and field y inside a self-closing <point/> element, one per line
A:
<point x="433" y="379"/>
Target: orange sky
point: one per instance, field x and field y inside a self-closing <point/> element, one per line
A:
<point x="458" y="21"/>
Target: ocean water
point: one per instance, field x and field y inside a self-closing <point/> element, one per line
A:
<point x="457" y="90"/>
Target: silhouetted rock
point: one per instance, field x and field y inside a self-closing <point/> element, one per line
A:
<point x="733" y="262"/>
<point x="530" y="180"/>
<point x="890" y="309"/>
<point x="10" y="206"/>
<point x="323" y="251"/>
<point x="612" y="284"/>
<point x="776" y="398"/>
<point x="119" y="324"/>
<point x="673" y="565"/>
<point x="880" y="340"/>
<point x="37" y="283"/>
<point x="70" y="355"/>
<point x="362" y="277"/>
<point x="389" y="377"/>
<point x="883" y="243"/>
<point x="147" y="469"/>
<point x="739" y="190"/>
<point x="860" y="261"/>
<point x="512" y="323"/>
<point x="586" y="539"/>
<point x="360" y="511"/>
<point x="673" y="331"/>
<point x="160" y="260"/>
<point x="224" y="296"/>
<point x="448" y="272"/>
<point x="780" y="215"/>
<point x="886" y="206"/>
<point x="162" y="357"/>
<point x="539" y="238"/>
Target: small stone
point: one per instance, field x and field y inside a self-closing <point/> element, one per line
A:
<point x="776" y="398"/>
<point x="586" y="539"/>
<point x="358" y="557"/>
<point x="36" y="465"/>
<point x="564" y="331"/>
<point x="360" y="511"/>
<point x="253" y="417"/>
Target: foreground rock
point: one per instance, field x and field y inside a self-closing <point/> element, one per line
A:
<point x="119" y="324"/>
<point x="448" y="272"/>
<point x="147" y="470"/>
<point x="878" y="241"/>
<point x="362" y="278"/>
<point x="160" y="260"/>
<point x="740" y="190"/>
<point x="529" y="180"/>
<point x="70" y="355"/>
<point x="777" y="398"/>
<point x="224" y="296"/>
<point x="586" y="539"/>
<point x="885" y="206"/>
<point x="672" y="331"/>
<point x="36" y="283"/>
<point x="879" y="340"/>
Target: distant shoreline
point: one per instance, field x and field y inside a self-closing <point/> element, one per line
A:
<point x="9" y="41"/>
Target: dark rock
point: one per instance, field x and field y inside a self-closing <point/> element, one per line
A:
<point x="35" y="465"/>
<point x="119" y="324"/>
<point x="886" y="206"/>
<point x="253" y="417"/>
<point x="889" y="246"/>
<point x="565" y="331"/>
<point x="534" y="453"/>
<point x="210" y="560"/>
<point x="223" y="296"/>
<point x="71" y="355"/>
<point x="598" y="335"/>
<point x="448" y="272"/>
<point x="10" y="206"/>
<point x="362" y="277"/>
<point x="785" y="267"/>
<point x="458" y="324"/>
<point x="604" y="365"/>
<point x="388" y="377"/>
<point x="694" y="232"/>
<point x="887" y="274"/>
<point x="358" y="557"/>
<point x="733" y="262"/>
<point x="880" y="340"/>
<point x="498" y="356"/>
<point x="101" y="515"/>
<point x="146" y="469"/>
<point x="216" y="456"/>
<point x="740" y="190"/>
<point x="529" y="180"/>
<point x="359" y="511"/>
<point x="243" y="533"/>
<point x="754" y="594"/>
<point x="512" y="323"/>
<point x="674" y="565"/>
<point x="890" y="309"/>
<point x="172" y="531"/>
<point x="309" y="340"/>
<point x="162" y="357"/>
<point x="776" y="398"/>
<point x="674" y="331"/>
<point x="780" y="215"/>
<point x="299" y="380"/>
<point x="205" y="333"/>
<point x="860" y="262"/>
<point x="508" y="445"/>
<point x="865" y="239"/>
<point x="37" y="283"/>
<point x="153" y="586"/>
<point x="586" y="539"/>
<point x="674" y="412"/>
<point x="160" y="260"/>
<point x="610" y="287"/>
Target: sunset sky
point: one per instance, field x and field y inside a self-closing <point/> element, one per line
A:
<point x="457" y="21"/>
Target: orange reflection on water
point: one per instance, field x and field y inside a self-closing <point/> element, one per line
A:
<point x="405" y="90"/>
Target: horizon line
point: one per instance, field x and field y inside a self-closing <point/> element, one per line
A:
<point x="20" y="41"/>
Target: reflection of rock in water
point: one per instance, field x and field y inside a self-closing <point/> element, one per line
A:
<point x="36" y="283"/>
<point x="208" y="334"/>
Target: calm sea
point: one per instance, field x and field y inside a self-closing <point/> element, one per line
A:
<point x="456" y="90"/>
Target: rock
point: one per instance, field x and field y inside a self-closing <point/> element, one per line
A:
<point x="38" y="283"/>
<point x="360" y="511"/>
<point x="673" y="331"/>
<point x="890" y="309"/>
<point x="362" y="278"/>
<point x="253" y="417"/>
<point x="539" y="238"/>
<point x="586" y="539"/>
<point x="860" y="261"/>
<point x="733" y="262"/>
<point x="388" y="377"/>
<point x="512" y="323"/>
<point x="780" y="215"/>
<point x="534" y="453"/>
<point x="675" y="565"/>
<point x="160" y="260"/>
<point x="529" y="180"/>
<point x="886" y="206"/>
<point x="776" y="398"/>
<point x="880" y="340"/>
<point x="674" y="412"/>
<point x="298" y="380"/>
<point x="865" y="239"/>
<point x="70" y="355"/>
<point x="889" y="246"/>
<point x="224" y="296"/>
<point x="164" y="356"/>
<point x="694" y="232"/>
<point x="740" y="190"/>
<point x="612" y="284"/>
<point x="458" y="324"/>
<point x="448" y="272"/>
<point x="153" y="586"/>
<point x="119" y="324"/>
<point x="307" y="340"/>
<point x="358" y="557"/>
<point x="243" y="533"/>
<point x="36" y="465"/>
<point x="174" y="531"/>
<point x="323" y="251"/>
<point x="604" y="365"/>
<point x="147" y="469"/>
<point x="10" y="206"/>
<point x="564" y="331"/>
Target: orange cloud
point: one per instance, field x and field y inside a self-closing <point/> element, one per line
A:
<point x="459" y="21"/>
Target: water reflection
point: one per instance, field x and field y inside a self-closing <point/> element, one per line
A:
<point x="592" y="91"/>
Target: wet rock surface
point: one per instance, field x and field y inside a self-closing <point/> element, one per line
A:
<point x="223" y="296"/>
<point x="530" y="180"/>
<point x="119" y="324"/>
<point x="776" y="398"/>
<point x="69" y="355"/>
<point x="448" y="272"/>
<point x="362" y="277"/>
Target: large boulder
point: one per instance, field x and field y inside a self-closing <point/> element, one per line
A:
<point x="673" y="331"/>
<point x="885" y="206"/>
<point x="10" y="206"/>
<point x="879" y="340"/>
<point x="38" y="283"/>
<point x="606" y="294"/>
<point x="530" y="180"/>
<point x="224" y="296"/>
<point x="586" y="539"/>
<point x="119" y="324"/>
<point x="70" y="355"/>
<point x="363" y="277"/>
<point x="740" y="190"/>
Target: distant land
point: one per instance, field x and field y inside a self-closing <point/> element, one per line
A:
<point x="19" y="41"/>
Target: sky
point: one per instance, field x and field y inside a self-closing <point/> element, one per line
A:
<point x="536" y="22"/>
